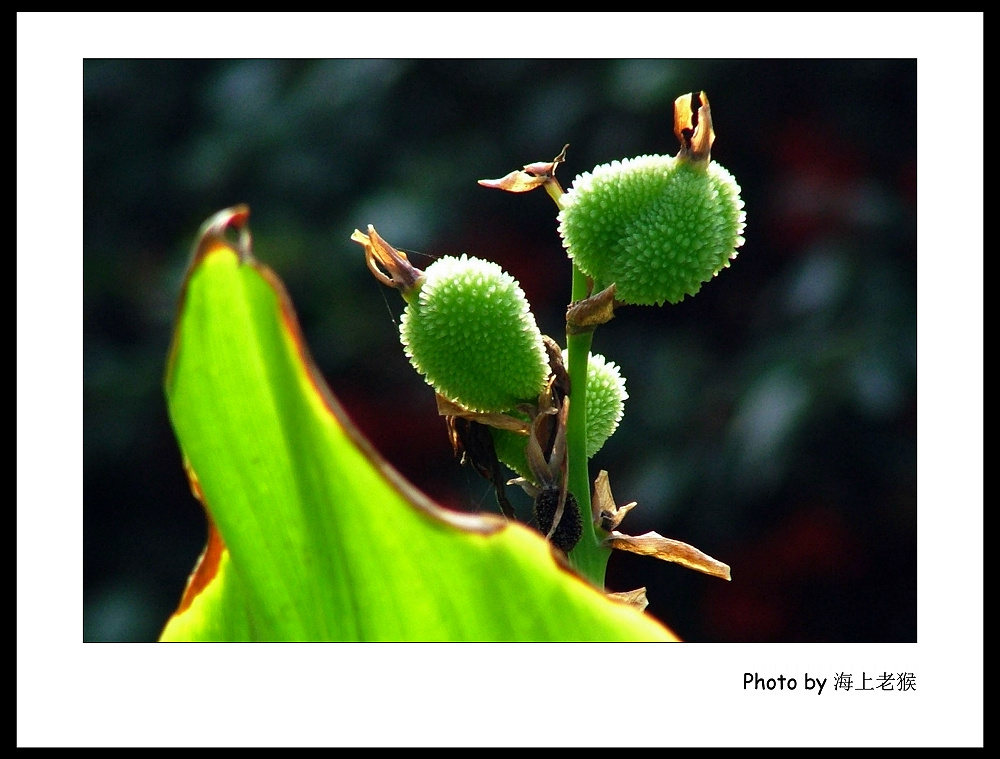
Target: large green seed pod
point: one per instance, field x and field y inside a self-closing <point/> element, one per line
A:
<point x="656" y="226"/>
<point x="606" y="397"/>
<point x="469" y="330"/>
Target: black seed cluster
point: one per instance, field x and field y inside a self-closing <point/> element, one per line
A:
<point x="570" y="528"/>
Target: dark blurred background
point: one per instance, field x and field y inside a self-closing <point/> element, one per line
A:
<point x="771" y="419"/>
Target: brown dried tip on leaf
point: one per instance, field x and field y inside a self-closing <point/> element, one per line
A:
<point x="588" y="313"/>
<point x="693" y="126"/>
<point x="528" y="177"/>
<point x="636" y="598"/>
<point x="607" y="515"/>
<point x="213" y="232"/>
<point x="380" y="255"/>
<point x="654" y="544"/>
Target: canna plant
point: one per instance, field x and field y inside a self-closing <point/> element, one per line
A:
<point x="313" y="536"/>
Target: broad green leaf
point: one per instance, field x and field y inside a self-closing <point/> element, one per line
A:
<point x="313" y="536"/>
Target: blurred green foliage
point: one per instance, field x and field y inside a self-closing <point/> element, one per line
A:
<point x="771" y="419"/>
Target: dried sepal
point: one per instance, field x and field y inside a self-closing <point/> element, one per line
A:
<point x="516" y="181"/>
<point x="635" y="598"/>
<point x="531" y="176"/>
<point x="547" y="168"/>
<point x="654" y="544"/>
<point x="586" y="314"/>
<point x="559" y="385"/>
<point x="607" y="514"/>
<point x="380" y="255"/>
<point x="448" y="408"/>
<point x="693" y="126"/>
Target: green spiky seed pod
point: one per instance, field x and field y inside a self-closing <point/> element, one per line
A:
<point x="470" y="332"/>
<point x="605" y="401"/>
<point x="656" y="226"/>
<point x="606" y="397"/>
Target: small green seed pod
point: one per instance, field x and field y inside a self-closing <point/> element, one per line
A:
<point x="469" y="330"/>
<point x="605" y="401"/>
<point x="656" y="226"/>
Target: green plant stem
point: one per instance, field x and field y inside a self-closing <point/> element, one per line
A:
<point x="589" y="557"/>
